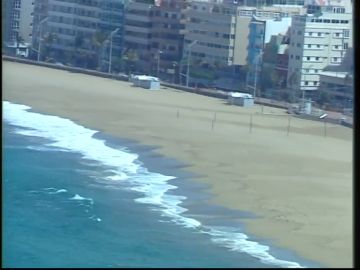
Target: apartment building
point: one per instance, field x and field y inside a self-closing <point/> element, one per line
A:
<point x="168" y="35"/>
<point x="261" y="3"/>
<point x="337" y="83"/>
<point x="260" y="33"/>
<point x="155" y="31"/>
<point x="81" y="30"/>
<point x="137" y="29"/>
<point x="19" y="20"/>
<point x="221" y="30"/>
<point x="317" y="41"/>
<point x="217" y="33"/>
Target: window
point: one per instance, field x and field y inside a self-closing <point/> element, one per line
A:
<point x="317" y="46"/>
<point x="309" y="45"/>
<point x="297" y="57"/>
<point x="335" y="59"/>
<point x="298" y="45"/>
<point x="319" y="34"/>
<point x="337" y="34"/>
<point x="336" y="47"/>
<point x="306" y="83"/>
<point x="346" y="33"/>
<point x="315" y="83"/>
<point x="291" y="56"/>
<point x="307" y="70"/>
<point x="308" y="58"/>
<point x="317" y="58"/>
<point x="17" y="4"/>
<point x="346" y="46"/>
<point x="15" y="25"/>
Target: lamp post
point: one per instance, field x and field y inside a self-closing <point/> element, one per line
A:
<point x="188" y="61"/>
<point x="174" y="67"/>
<point x="110" y="53"/>
<point x="256" y="70"/>
<point x="40" y="30"/>
<point x="158" y="63"/>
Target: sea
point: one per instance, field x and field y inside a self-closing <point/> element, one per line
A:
<point x="77" y="197"/>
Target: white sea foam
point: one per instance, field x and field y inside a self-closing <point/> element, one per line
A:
<point x="43" y="148"/>
<point x="80" y="198"/>
<point x="59" y="191"/>
<point x="68" y="136"/>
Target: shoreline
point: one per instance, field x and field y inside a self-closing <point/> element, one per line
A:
<point x="283" y="219"/>
<point x="212" y="217"/>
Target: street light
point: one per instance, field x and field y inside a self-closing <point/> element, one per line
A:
<point x="40" y="30"/>
<point x="188" y="61"/>
<point x="256" y="69"/>
<point x="174" y="66"/>
<point x="158" y="62"/>
<point x="110" y="54"/>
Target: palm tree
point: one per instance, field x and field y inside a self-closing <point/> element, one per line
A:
<point x="78" y="44"/>
<point x="48" y="42"/>
<point x="19" y="40"/>
<point x="99" y="39"/>
<point x="130" y="58"/>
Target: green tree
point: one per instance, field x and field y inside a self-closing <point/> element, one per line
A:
<point x="48" y="41"/>
<point x="130" y="59"/>
<point x="99" y="39"/>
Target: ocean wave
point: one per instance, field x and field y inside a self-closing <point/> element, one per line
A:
<point x="59" y="191"/>
<point x="154" y="187"/>
<point x="43" y="148"/>
<point x="77" y="197"/>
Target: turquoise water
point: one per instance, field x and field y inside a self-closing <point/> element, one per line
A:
<point x="70" y="200"/>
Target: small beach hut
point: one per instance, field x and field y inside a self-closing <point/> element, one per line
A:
<point x="240" y="99"/>
<point x="147" y="82"/>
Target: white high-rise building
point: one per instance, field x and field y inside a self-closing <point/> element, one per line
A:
<point x="317" y="41"/>
<point x="20" y="20"/>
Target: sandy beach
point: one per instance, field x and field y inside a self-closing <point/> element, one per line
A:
<point x="297" y="180"/>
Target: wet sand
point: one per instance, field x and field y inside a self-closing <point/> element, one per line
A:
<point x="298" y="182"/>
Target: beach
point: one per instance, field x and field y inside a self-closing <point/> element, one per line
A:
<point x="297" y="180"/>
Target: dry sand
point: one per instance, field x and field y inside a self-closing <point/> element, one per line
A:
<point x="299" y="184"/>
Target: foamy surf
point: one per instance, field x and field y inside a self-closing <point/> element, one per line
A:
<point x="68" y="136"/>
<point x="77" y="197"/>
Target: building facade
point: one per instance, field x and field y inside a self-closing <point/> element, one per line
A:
<point x="218" y="32"/>
<point x="155" y="31"/>
<point x="222" y="30"/>
<point x="317" y="41"/>
<point x="78" y="31"/>
<point x="260" y="33"/>
<point x="18" y="21"/>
